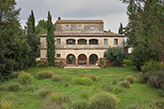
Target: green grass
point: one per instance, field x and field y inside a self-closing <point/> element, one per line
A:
<point x="27" y="99"/>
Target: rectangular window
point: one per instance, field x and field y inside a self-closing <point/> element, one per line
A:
<point x="79" y="27"/>
<point x="92" y="27"/>
<point x="67" y="27"/>
<point x="70" y="41"/>
<point x="58" y="41"/>
<point x="115" y="41"/>
<point x="58" y="55"/>
<point x="105" y="41"/>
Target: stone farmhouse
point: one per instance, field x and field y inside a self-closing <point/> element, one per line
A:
<point x="80" y="42"/>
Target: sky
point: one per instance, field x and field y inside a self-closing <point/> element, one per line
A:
<point x="112" y="12"/>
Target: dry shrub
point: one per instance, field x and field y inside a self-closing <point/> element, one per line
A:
<point x="43" y="92"/>
<point x="44" y="74"/>
<point x="80" y="104"/>
<point x="84" y="94"/>
<point x="14" y="87"/>
<point x="56" y="78"/>
<point x="103" y="100"/>
<point x="25" y="78"/>
<point x="125" y="84"/>
<point x="140" y="78"/>
<point x="130" y="79"/>
<point x="6" y="104"/>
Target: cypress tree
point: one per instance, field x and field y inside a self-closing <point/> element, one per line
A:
<point x="32" y="40"/>
<point x="50" y="42"/>
<point x="120" y="31"/>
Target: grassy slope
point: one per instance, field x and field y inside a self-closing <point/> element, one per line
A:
<point x="140" y="93"/>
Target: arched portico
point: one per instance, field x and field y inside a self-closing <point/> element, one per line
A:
<point x="82" y="59"/>
<point x="70" y="59"/>
<point x="93" y="58"/>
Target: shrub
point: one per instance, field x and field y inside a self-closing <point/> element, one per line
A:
<point x="151" y="65"/>
<point x="140" y="78"/>
<point x="102" y="62"/>
<point x="82" y="81"/>
<point x="114" y="82"/>
<point x="66" y="85"/>
<point x="130" y="78"/>
<point x="155" y="78"/>
<point x="125" y="84"/>
<point x="58" y="97"/>
<point x="84" y="94"/>
<point x="43" y="92"/>
<point x="80" y="104"/>
<point x="106" y="87"/>
<point x="25" y="78"/>
<point x="14" y="87"/>
<point x="56" y="78"/>
<point x="6" y="104"/>
<point x="116" y="55"/>
<point x="103" y="100"/>
<point x="30" y="88"/>
<point x="91" y="76"/>
<point x="52" y="105"/>
<point x="44" y="74"/>
<point x="3" y="87"/>
<point x="161" y="92"/>
<point x="117" y="90"/>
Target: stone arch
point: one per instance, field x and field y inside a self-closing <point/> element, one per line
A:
<point x="82" y="59"/>
<point x="93" y="58"/>
<point x="70" y="59"/>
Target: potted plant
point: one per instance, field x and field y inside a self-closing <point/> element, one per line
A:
<point x="101" y="62"/>
<point x="61" y="63"/>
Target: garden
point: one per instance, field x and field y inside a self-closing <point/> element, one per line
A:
<point x="58" y="88"/>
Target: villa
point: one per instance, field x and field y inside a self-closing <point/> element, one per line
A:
<point x="80" y="42"/>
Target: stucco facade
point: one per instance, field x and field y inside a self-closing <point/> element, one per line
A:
<point x="80" y="41"/>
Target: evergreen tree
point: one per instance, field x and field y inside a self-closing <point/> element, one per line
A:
<point x="50" y="42"/>
<point x="32" y="40"/>
<point x="13" y="54"/>
<point x="120" y="31"/>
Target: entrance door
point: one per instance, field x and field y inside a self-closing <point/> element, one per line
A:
<point x="70" y="59"/>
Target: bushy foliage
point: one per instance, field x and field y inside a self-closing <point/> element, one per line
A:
<point x="125" y="84"/>
<point x="114" y="82"/>
<point x="150" y="65"/>
<point x="91" y="76"/>
<point x="116" y="55"/>
<point x="145" y="106"/>
<point x="56" y="78"/>
<point x="103" y="100"/>
<point x="58" y="97"/>
<point x="106" y="87"/>
<point x="84" y="94"/>
<point x="140" y="55"/>
<point x="102" y="62"/>
<point x="80" y="104"/>
<point x="140" y="78"/>
<point x="14" y="87"/>
<point x="82" y="81"/>
<point x="25" y="78"/>
<point x="161" y="92"/>
<point x="6" y="104"/>
<point x="130" y="79"/>
<point x="44" y="74"/>
<point x="30" y="87"/>
<point x="155" y="78"/>
<point x="117" y="90"/>
<point x="43" y="92"/>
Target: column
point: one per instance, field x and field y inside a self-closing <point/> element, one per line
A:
<point x="76" y="61"/>
<point x="87" y="41"/>
<point x="76" y="42"/>
<point x="87" y="61"/>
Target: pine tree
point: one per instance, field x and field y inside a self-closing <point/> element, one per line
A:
<point x="50" y="41"/>
<point x="32" y="20"/>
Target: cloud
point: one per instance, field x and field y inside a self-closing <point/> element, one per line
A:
<point x="74" y="9"/>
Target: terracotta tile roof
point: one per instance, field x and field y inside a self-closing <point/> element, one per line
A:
<point x="84" y="34"/>
<point x="79" y="22"/>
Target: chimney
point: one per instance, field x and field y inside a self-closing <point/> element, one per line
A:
<point x="109" y="30"/>
<point x="59" y="18"/>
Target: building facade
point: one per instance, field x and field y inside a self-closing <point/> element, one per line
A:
<point x="80" y="42"/>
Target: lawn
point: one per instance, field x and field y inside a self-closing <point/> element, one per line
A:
<point x="24" y="99"/>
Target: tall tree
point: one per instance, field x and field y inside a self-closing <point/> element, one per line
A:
<point x="120" y="31"/>
<point x="50" y="41"/>
<point x="32" y="20"/>
<point x="32" y="39"/>
<point x="13" y="55"/>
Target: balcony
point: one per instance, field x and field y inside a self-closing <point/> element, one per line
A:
<point x="81" y="46"/>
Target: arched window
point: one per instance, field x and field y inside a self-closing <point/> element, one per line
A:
<point x="70" y="41"/>
<point x="82" y="41"/>
<point x="93" y="42"/>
